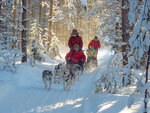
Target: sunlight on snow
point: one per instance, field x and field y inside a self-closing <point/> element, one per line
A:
<point x="106" y="106"/>
<point x="47" y="63"/>
<point x="57" y="105"/>
<point x="18" y="62"/>
<point x="140" y="74"/>
<point x="133" y="109"/>
<point x="77" y="106"/>
<point x="104" y="52"/>
<point x="71" y="102"/>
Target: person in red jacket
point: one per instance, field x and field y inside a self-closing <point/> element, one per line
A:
<point x="94" y="44"/>
<point x="76" y="56"/>
<point x="75" y="39"/>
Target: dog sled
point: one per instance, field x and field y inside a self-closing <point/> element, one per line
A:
<point x="91" y="63"/>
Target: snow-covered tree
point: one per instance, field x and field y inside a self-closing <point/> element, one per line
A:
<point x="6" y="35"/>
<point x="8" y="41"/>
<point x="140" y="38"/>
<point x="35" y="43"/>
<point x="17" y="26"/>
<point x="50" y="24"/>
<point x="35" y="31"/>
<point x="35" y="53"/>
<point x="111" y="79"/>
<point x="107" y="19"/>
<point x="54" y="48"/>
<point x="139" y="18"/>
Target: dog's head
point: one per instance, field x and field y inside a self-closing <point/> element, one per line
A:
<point x="47" y="74"/>
<point x="50" y="73"/>
<point x="76" y="69"/>
<point x="66" y="72"/>
<point x="60" y="66"/>
<point x="57" y="67"/>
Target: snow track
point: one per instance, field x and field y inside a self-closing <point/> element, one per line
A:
<point x="25" y="93"/>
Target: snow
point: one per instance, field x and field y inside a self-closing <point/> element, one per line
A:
<point x="84" y="2"/>
<point x="23" y="92"/>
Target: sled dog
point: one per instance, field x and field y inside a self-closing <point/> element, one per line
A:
<point x="76" y="70"/>
<point x="47" y="77"/>
<point x="71" y="74"/>
<point x="58" y="72"/>
<point x="66" y="79"/>
<point x="91" y="64"/>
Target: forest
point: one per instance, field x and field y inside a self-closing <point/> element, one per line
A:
<point x="34" y="36"/>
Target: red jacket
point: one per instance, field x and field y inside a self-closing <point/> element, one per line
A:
<point x="75" y="57"/>
<point x="95" y="44"/>
<point x="75" y="40"/>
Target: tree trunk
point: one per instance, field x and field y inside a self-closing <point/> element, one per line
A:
<point x="40" y="12"/>
<point x="29" y="17"/>
<point x="33" y="10"/>
<point x="29" y="8"/>
<point x="18" y="24"/>
<point x="50" y="23"/>
<point x="3" y="26"/>
<point x="15" y="15"/>
<point x="0" y="14"/>
<point x="89" y="33"/>
<point x="15" y="24"/>
<point x="89" y="25"/>
<point x="0" y="6"/>
<point x="24" y="31"/>
<point x="118" y="28"/>
<point x="125" y="33"/>
<point x="43" y="25"/>
<point x="57" y="23"/>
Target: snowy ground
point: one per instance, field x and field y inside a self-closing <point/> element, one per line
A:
<point x="23" y="92"/>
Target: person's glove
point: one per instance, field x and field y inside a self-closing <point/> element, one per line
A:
<point x="91" y="47"/>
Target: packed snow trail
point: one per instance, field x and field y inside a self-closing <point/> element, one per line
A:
<point x="23" y="92"/>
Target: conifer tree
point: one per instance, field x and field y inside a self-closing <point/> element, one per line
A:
<point x="54" y="48"/>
